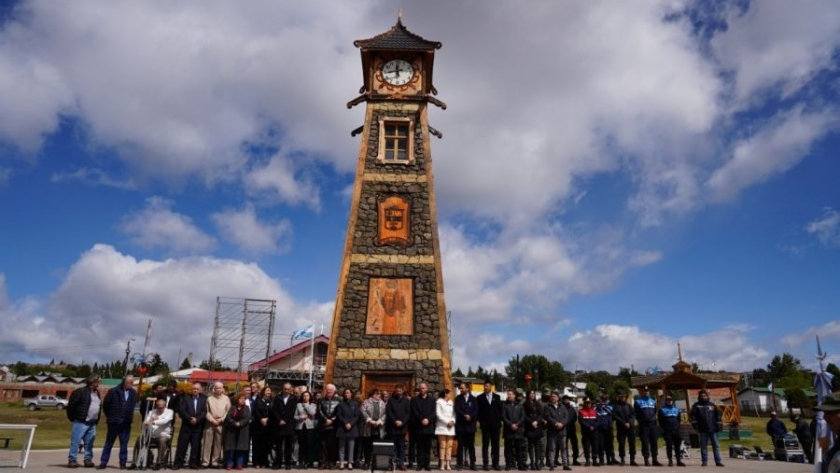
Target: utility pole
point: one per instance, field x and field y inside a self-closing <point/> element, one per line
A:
<point x="127" y="353"/>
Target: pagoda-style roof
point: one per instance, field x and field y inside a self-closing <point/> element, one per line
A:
<point x="686" y="380"/>
<point x="398" y="38"/>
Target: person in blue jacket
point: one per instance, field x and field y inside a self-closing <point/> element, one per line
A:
<point x="645" y="408"/>
<point x="603" y="422"/>
<point x="669" y="420"/>
<point x="118" y="407"/>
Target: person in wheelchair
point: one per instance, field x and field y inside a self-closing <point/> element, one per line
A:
<point x="157" y="431"/>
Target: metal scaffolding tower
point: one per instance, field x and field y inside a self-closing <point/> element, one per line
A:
<point x="242" y="334"/>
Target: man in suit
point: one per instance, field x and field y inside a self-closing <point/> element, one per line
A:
<point x="118" y="406"/>
<point x="173" y="399"/>
<point x="424" y="415"/>
<point x="490" y="420"/>
<point x="466" y="417"/>
<point x="397" y="417"/>
<point x="192" y="411"/>
<point x="283" y="418"/>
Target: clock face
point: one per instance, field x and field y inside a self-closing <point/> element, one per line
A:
<point x="397" y="72"/>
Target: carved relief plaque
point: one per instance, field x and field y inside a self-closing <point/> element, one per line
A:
<point x="390" y="307"/>
<point x="394" y="218"/>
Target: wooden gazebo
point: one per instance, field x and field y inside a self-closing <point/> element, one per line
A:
<point x="682" y="380"/>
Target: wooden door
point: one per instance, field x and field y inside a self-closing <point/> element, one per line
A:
<point x="387" y="381"/>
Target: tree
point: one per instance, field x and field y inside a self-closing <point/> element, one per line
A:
<point x="796" y="398"/>
<point x="544" y="373"/>
<point x="601" y="378"/>
<point x="592" y="390"/>
<point x="156" y="365"/>
<point x="619" y="385"/>
<point x="457" y="373"/>
<point x="783" y="366"/>
<point x="216" y="366"/>
<point x="835" y="382"/>
<point x="185" y="364"/>
<point x="626" y="374"/>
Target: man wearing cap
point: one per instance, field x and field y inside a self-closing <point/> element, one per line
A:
<point x="669" y="420"/>
<point x="625" y="422"/>
<point x="775" y="427"/>
<point x="705" y="418"/>
<point x="588" y="417"/>
<point x="803" y="434"/>
<point x="645" y="409"/>
<point x="831" y="411"/>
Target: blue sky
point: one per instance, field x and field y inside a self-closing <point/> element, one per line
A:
<point x="614" y="177"/>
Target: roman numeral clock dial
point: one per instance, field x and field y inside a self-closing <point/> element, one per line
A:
<point x="397" y="72"/>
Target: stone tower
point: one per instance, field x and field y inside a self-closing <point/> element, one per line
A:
<point x="390" y="324"/>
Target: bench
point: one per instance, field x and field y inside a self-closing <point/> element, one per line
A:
<point x="5" y="441"/>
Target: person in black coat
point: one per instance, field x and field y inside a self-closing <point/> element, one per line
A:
<point x="261" y="427"/>
<point x="397" y="418"/>
<point x="424" y="415"/>
<point x="326" y="416"/>
<point x="513" y="421"/>
<point x="193" y="412"/>
<point x="490" y="420"/>
<point x="625" y="423"/>
<point x="466" y="419"/>
<point x="803" y="434"/>
<point x="534" y="428"/>
<point x="571" y="430"/>
<point x="283" y="425"/>
<point x="118" y="407"/>
<point x="347" y="417"/>
<point x="556" y="418"/>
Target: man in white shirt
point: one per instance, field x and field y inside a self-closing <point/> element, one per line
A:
<point x="158" y="424"/>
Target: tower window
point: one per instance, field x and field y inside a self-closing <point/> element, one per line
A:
<point x="395" y="141"/>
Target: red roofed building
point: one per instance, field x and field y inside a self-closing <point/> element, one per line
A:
<point x="296" y="364"/>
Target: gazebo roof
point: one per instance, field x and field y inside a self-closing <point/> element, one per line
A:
<point x="686" y="380"/>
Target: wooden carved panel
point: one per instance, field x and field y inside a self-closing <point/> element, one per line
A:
<point x="390" y="308"/>
<point x="394" y="221"/>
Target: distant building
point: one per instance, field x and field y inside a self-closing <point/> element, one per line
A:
<point x="297" y="364"/>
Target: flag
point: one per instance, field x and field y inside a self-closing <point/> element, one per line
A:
<point x="770" y="386"/>
<point x="304" y="333"/>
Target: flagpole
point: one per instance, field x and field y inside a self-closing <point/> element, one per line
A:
<point x="312" y="362"/>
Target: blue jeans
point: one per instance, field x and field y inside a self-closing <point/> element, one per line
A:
<point x="116" y="430"/>
<point x="82" y="432"/>
<point x="236" y="458"/>
<point x="704" y="441"/>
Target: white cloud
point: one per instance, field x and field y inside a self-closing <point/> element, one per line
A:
<point x="157" y="226"/>
<point x="276" y="180"/>
<point x="95" y="177"/>
<point x="826" y="228"/>
<point x="246" y="231"/>
<point x="108" y="297"/>
<point x="771" y="151"/>
<point x="774" y="46"/>
<point x="629" y="345"/>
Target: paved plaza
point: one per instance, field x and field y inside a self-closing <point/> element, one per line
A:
<point x="55" y="460"/>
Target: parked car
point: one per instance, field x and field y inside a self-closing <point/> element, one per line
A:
<point x="40" y="402"/>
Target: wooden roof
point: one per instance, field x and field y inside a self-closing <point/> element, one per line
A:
<point x="398" y="38"/>
<point x="686" y="380"/>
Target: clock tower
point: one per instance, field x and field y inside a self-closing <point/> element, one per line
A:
<point x="390" y="324"/>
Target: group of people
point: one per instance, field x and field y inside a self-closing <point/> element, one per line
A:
<point x="338" y="430"/>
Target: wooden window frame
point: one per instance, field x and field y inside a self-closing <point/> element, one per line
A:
<point x="384" y="140"/>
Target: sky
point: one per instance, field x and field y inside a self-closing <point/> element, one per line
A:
<point x="614" y="178"/>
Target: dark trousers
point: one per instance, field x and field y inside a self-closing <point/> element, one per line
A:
<point x="260" y="443"/>
<point x="514" y="454"/>
<point x="329" y="447"/>
<point x="647" y="434"/>
<point x="306" y="446"/>
<point x="808" y="447"/>
<point x="572" y="438"/>
<point x="399" y="448"/>
<point x="424" y="447"/>
<point x="412" y="448"/>
<point x="367" y="445"/>
<point x="490" y="439"/>
<point x="283" y="447"/>
<point x="121" y="431"/>
<point x="672" y="445"/>
<point x="609" y="445"/>
<point x="189" y="436"/>
<point x="587" y="438"/>
<point x="466" y="448"/>
<point x="600" y="443"/>
<point x="629" y="436"/>
<point x="533" y="452"/>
